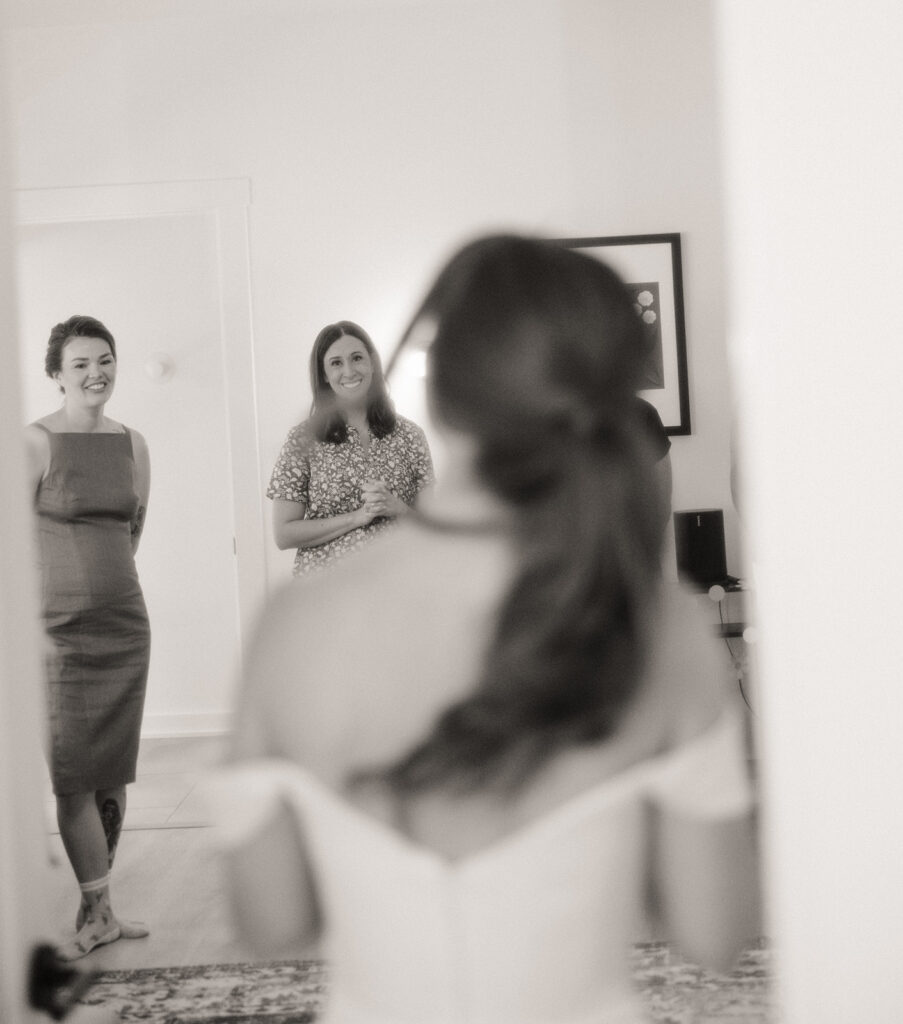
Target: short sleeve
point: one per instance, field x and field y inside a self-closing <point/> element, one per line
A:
<point x="290" y="479"/>
<point x="709" y="776"/>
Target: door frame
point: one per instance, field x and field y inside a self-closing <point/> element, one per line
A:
<point x="227" y="199"/>
<point x="24" y="912"/>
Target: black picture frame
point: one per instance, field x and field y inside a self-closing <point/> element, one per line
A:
<point x="651" y="267"/>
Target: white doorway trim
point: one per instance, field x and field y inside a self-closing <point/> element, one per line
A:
<point x="228" y="200"/>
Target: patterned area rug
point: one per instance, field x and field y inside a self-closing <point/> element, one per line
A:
<point x="294" y="992"/>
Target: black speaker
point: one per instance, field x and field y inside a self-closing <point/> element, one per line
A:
<point x="699" y="540"/>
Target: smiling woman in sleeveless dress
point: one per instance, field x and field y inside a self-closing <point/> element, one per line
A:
<point x="473" y="760"/>
<point x="91" y="480"/>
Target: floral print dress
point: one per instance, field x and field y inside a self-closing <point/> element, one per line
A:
<point x="327" y="479"/>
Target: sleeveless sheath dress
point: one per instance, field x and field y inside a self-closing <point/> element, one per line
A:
<point x="93" y="611"/>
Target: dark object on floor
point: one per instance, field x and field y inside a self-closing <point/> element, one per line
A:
<point x="53" y="985"/>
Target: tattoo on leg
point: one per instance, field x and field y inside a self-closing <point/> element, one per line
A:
<point x="111" y="818"/>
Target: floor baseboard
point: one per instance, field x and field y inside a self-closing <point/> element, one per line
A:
<point x="214" y="723"/>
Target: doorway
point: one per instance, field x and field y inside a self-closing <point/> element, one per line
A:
<point x="160" y="267"/>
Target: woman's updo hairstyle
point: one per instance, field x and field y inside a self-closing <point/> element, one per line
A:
<point x="537" y="356"/>
<point x="328" y="423"/>
<point x="74" y="327"/>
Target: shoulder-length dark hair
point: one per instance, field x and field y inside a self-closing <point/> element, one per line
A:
<point x="75" y="327"/>
<point x="537" y="355"/>
<point x="328" y="422"/>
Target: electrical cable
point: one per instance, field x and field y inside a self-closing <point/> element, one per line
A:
<point x="734" y="659"/>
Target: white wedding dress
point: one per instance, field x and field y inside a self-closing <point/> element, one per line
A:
<point x="533" y="929"/>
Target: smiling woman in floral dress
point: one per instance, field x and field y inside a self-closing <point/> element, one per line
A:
<point x="354" y="465"/>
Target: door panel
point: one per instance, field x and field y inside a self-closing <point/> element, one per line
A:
<point x="153" y="282"/>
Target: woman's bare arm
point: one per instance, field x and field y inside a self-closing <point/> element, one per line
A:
<point x="271" y="886"/>
<point x="705" y="863"/>
<point x="706" y="885"/>
<point x="142" y="485"/>
<point x="37" y="457"/>
<point x="292" y="530"/>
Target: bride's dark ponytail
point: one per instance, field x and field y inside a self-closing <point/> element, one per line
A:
<point x="537" y="356"/>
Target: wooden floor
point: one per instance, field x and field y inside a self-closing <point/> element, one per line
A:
<point x="166" y="872"/>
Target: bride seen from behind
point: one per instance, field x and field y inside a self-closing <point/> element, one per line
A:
<point x="475" y="759"/>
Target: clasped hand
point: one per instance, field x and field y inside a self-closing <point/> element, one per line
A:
<point x="379" y="500"/>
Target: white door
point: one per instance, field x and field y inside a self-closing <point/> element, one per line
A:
<point x="153" y="282"/>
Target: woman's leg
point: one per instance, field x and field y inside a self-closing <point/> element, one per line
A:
<point x="83" y="835"/>
<point x="110" y="805"/>
<point x="86" y="846"/>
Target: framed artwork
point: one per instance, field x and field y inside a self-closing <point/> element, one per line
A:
<point x="650" y="265"/>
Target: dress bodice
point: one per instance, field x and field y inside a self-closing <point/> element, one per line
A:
<point x="90" y="476"/>
<point x="533" y="928"/>
<point x="85" y="503"/>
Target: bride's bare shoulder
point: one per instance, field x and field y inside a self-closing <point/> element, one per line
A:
<point x="400" y="624"/>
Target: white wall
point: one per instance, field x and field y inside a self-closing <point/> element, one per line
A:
<point x="378" y="135"/>
<point x="643" y="123"/>
<point x="643" y="129"/>
<point x="813" y="99"/>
